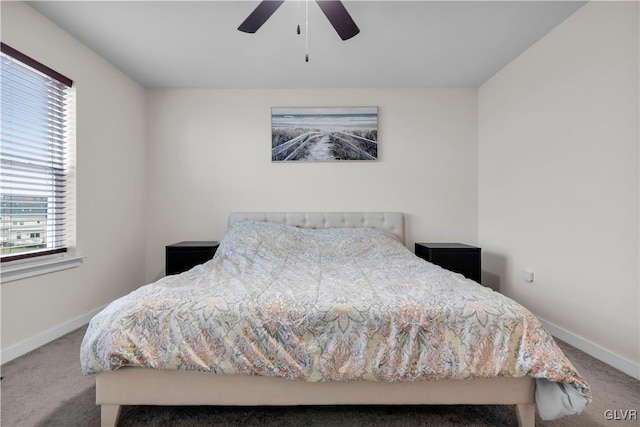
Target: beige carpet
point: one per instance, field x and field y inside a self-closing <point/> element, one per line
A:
<point x="46" y="388"/>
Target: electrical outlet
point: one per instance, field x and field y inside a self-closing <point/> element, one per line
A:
<point x="528" y="276"/>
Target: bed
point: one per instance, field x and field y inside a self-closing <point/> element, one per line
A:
<point x="324" y="309"/>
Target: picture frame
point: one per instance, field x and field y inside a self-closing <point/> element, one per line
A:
<point x="320" y="134"/>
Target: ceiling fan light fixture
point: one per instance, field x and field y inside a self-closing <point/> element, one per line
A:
<point x="334" y="10"/>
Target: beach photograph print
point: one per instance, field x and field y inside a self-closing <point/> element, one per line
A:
<point x="324" y="134"/>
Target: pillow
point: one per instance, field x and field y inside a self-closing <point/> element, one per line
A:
<point x="250" y="236"/>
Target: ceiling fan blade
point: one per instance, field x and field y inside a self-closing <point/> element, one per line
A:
<point x="260" y="15"/>
<point x="337" y="14"/>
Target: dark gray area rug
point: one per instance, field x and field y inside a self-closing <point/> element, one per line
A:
<point x="46" y="388"/>
<point x="77" y="412"/>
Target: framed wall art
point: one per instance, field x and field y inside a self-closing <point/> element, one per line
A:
<point x="324" y="133"/>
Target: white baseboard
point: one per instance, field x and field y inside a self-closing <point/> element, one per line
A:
<point x="30" y="344"/>
<point x="594" y="350"/>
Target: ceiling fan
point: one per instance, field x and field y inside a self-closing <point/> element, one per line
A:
<point x="334" y="10"/>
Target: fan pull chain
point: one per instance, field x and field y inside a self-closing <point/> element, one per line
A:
<point x="298" y="29"/>
<point x="306" y="29"/>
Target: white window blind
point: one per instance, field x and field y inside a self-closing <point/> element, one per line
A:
<point x="34" y="132"/>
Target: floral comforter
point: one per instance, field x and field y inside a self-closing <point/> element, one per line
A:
<point x="324" y="305"/>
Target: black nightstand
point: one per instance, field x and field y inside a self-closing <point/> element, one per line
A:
<point x="186" y="255"/>
<point x="459" y="258"/>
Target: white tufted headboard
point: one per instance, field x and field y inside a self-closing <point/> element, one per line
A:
<point x="391" y="222"/>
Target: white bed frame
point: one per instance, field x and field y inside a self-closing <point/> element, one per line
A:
<point x="144" y="386"/>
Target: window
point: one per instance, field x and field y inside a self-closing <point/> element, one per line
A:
<point x="33" y="155"/>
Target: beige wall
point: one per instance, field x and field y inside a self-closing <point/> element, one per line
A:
<point x="539" y="166"/>
<point x="209" y="153"/>
<point x="110" y="188"/>
<point x="559" y="182"/>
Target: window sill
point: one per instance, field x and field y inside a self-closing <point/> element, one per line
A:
<point x="23" y="269"/>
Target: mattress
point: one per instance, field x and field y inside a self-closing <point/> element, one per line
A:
<point x="329" y="305"/>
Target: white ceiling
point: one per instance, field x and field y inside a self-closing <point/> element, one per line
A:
<point x="401" y="43"/>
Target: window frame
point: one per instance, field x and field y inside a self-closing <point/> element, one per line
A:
<point x="21" y="265"/>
